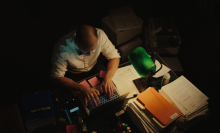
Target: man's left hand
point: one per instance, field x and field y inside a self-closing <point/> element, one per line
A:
<point x="108" y="87"/>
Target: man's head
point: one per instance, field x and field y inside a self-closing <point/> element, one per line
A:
<point x="86" y="38"/>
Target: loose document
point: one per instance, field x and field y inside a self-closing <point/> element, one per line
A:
<point x="187" y="97"/>
<point x="123" y="79"/>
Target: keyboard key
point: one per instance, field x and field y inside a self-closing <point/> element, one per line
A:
<point x="103" y="99"/>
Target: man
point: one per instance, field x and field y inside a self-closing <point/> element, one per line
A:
<point x="76" y="54"/>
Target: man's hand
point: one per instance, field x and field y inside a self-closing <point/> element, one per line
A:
<point x="91" y="93"/>
<point x="108" y="87"/>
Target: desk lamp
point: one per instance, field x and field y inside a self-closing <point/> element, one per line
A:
<point x="144" y="66"/>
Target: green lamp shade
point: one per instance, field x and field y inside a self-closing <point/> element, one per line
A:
<point x="141" y="61"/>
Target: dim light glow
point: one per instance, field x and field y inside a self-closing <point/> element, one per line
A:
<point x="74" y="109"/>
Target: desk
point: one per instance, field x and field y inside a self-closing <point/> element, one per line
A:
<point x="106" y="119"/>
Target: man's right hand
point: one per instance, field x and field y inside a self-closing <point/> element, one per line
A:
<point x="90" y="93"/>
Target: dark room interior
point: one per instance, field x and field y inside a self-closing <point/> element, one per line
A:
<point x="29" y="30"/>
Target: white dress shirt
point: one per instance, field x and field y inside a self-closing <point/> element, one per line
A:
<point x="66" y="55"/>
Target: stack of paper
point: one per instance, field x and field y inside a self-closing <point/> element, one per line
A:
<point x="186" y="97"/>
<point x="151" y="112"/>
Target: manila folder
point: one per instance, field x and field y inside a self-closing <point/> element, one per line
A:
<point x="158" y="106"/>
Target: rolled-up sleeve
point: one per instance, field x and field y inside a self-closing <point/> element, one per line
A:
<point x="59" y="66"/>
<point x="107" y="48"/>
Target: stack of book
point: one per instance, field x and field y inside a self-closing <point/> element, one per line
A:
<point x="186" y="97"/>
<point x="153" y="111"/>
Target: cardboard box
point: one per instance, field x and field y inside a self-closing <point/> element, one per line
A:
<point x="119" y="37"/>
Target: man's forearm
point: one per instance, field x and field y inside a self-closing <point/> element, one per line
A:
<point x="67" y="83"/>
<point x="112" y="67"/>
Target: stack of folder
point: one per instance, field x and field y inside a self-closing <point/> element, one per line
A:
<point x="152" y="111"/>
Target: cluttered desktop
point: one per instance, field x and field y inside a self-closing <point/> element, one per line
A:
<point x="131" y="108"/>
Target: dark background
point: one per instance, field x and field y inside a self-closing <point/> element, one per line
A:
<point x="29" y="29"/>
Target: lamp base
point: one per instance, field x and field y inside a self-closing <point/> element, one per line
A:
<point x="143" y="83"/>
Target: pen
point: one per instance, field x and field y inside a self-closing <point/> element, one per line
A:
<point x="68" y="117"/>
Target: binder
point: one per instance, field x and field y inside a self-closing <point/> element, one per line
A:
<point x="158" y="106"/>
<point x="38" y="110"/>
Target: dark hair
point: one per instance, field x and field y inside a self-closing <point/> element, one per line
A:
<point x="81" y="33"/>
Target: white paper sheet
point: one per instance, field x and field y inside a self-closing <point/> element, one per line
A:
<point x="164" y="69"/>
<point x="178" y="105"/>
<point x="123" y="79"/>
<point x="200" y="113"/>
<point x="185" y="93"/>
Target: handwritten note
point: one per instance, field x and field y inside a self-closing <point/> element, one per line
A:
<point x="84" y="82"/>
<point x="94" y="81"/>
<point x="102" y="74"/>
